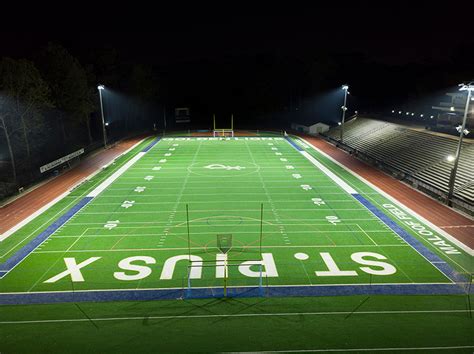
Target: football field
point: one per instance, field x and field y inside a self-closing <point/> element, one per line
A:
<point x="185" y="217"/>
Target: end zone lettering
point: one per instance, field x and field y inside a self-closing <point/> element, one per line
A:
<point x="140" y="267"/>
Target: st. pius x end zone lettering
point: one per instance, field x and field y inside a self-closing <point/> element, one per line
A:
<point x="141" y="267"/>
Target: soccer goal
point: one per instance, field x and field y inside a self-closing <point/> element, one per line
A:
<point x="223" y="132"/>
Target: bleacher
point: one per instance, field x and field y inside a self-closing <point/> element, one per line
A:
<point x="416" y="153"/>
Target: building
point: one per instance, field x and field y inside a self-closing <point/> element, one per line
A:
<point x="312" y="129"/>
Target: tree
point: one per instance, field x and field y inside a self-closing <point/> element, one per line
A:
<point x="68" y="81"/>
<point x="24" y="95"/>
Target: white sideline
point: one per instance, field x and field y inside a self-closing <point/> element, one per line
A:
<point x="100" y="188"/>
<point x="329" y="173"/>
<point x="25" y="221"/>
<point x="443" y="233"/>
<point x="240" y="315"/>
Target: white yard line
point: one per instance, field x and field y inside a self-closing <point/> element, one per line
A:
<point x="25" y="221"/>
<point x="443" y="233"/>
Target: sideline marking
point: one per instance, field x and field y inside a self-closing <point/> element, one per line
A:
<point x="45" y="207"/>
<point x="26" y="250"/>
<point x="417" y="245"/>
<point x="436" y="228"/>
<point x="281" y="314"/>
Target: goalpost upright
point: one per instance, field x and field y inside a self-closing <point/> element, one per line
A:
<point x="234" y="251"/>
<point x="223" y="131"/>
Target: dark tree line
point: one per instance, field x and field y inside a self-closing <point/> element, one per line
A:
<point x="49" y="107"/>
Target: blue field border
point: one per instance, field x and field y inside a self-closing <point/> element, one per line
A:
<point x="153" y="143"/>
<point x="26" y="250"/>
<point x="236" y="292"/>
<point x="434" y="259"/>
<point x="21" y="254"/>
<point x="292" y="143"/>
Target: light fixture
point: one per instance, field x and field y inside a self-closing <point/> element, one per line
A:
<point x="393" y="111"/>
<point x="413" y="114"/>
<point x="345" y="87"/>
<point x="106" y="124"/>
<point x="101" y="87"/>
<point x="450" y="158"/>
<point x="451" y="108"/>
<point x="467" y="87"/>
<point x="421" y="115"/>
<point x="399" y="112"/>
<point x="431" y="117"/>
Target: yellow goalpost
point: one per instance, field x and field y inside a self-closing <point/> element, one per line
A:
<point x="224" y="132"/>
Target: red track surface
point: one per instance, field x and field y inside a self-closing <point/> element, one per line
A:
<point x="442" y="216"/>
<point x="21" y="208"/>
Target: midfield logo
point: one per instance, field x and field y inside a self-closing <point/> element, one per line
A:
<point x="217" y="166"/>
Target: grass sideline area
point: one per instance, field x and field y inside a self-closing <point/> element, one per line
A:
<point x="408" y="324"/>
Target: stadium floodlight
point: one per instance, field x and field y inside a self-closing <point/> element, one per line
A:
<point x="462" y="131"/>
<point x="393" y="111"/>
<point x="431" y="117"/>
<point x="399" y="112"/>
<point x="421" y="115"/>
<point x="407" y="113"/>
<point x="344" y="109"/>
<point x="102" y="88"/>
<point x="450" y="158"/>
<point x="413" y="114"/>
<point x="452" y="108"/>
<point x="106" y="124"/>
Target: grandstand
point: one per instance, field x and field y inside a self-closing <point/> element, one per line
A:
<point x="417" y="156"/>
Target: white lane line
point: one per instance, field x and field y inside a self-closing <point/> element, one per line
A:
<point x="280" y="314"/>
<point x="329" y="173"/>
<point x="101" y="187"/>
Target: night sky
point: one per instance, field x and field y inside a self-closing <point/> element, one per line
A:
<point x="212" y="57"/>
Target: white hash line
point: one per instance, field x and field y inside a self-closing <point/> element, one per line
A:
<point x="66" y="207"/>
<point x="201" y="248"/>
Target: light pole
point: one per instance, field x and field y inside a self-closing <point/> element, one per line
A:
<point x="462" y="131"/>
<point x="101" y="88"/>
<point x="344" y="109"/>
